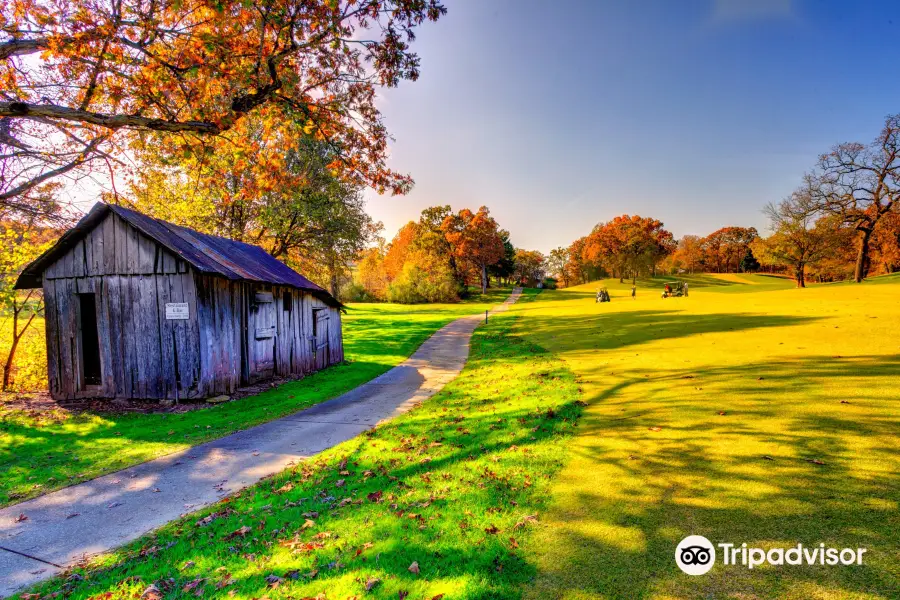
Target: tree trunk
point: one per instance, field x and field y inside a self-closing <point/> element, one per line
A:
<point x="10" y="359"/>
<point x="484" y="279"/>
<point x="862" y="258"/>
<point x="333" y="283"/>
<point x="7" y="368"/>
<point x="800" y="274"/>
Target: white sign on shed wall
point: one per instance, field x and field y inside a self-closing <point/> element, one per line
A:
<point x="177" y="311"/>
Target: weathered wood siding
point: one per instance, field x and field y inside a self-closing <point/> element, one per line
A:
<point x="335" y="330"/>
<point x="220" y="307"/>
<point x="142" y="355"/>
<point x="231" y="338"/>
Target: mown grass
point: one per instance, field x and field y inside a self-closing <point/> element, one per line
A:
<point x="766" y="417"/>
<point x="438" y="503"/>
<point x="41" y="452"/>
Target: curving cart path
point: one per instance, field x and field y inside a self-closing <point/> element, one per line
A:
<point x="122" y="506"/>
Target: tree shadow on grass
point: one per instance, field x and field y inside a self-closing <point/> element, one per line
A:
<point x="606" y="331"/>
<point x="771" y="461"/>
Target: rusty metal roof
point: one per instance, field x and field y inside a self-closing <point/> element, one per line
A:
<point x="205" y="253"/>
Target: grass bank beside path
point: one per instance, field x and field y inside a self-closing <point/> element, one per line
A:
<point x="438" y="503"/>
<point x="760" y="416"/>
<point x="41" y="452"/>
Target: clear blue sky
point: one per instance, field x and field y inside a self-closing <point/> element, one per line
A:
<point x="561" y="114"/>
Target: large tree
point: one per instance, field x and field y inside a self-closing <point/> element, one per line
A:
<point x="798" y="239"/>
<point x="503" y="269"/>
<point x="530" y="266"/>
<point x="80" y="77"/>
<point x="860" y="184"/>
<point x="628" y="245"/>
<point x="558" y="262"/>
<point x="726" y="247"/>
<point x="578" y="267"/>
<point x="689" y="253"/>
<point x="475" y="240"/>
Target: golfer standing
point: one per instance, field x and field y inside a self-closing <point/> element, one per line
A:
<point x="633" y="292"/>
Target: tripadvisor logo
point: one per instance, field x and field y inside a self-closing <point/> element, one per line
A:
<point x="696" y="555"/>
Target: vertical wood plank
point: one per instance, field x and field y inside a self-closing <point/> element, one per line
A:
<point x="134" y="253"/>
<point x="191" y="366"/>
<point x="107" y="370"/>
<point x="51" y="331"/>
<point x="168" y="262"/>
<point x="165" y="338"/>
<point x="129" y="335"/>
<point x="121" y="247"/>
<point x="146" y="254"/>
<point x="151" y="358"/>
<point x="109" y="245"/>
<point x="96" y="266"/>
<point x="66" y="326"/>
<point x="114" y="284"/>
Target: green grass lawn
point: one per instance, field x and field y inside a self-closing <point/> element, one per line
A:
<point x="761" y="415"/>
<point x="438" y="503"/>
<point x="749" y="412"/>
<point x="47" y="451"/>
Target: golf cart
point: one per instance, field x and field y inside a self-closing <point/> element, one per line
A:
<point x="602" y="295"/>
<point x="673" y="289"/>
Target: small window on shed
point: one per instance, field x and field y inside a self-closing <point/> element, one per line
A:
<point x="288" y="301"/>
<point x="315" y="321"/>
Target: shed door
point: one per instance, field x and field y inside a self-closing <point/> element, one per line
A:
<point x="262" y="335"/>
<point x="320" y="337"/>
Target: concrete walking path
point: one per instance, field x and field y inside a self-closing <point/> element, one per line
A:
<point x="98" y="515"/>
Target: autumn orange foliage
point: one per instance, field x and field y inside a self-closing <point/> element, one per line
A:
<point x="78" y="75"/>
<point x="628" y="245"/>
<point x="474" y="240"/>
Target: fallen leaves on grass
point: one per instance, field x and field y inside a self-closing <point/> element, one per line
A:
<point x="371" y="583"/>
<point x="375" y="496"/>
<point x="190" y="585"/>
<point x="655" y="428"/>
<point x="151" y="592"/>
<point x="414" y="568"/>
<point x="527" y="520"/>
<point x="241" y="532"/>
<point x="20" y="518"/>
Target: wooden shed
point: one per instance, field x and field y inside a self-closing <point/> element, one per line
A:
<point x="140" y="308"/>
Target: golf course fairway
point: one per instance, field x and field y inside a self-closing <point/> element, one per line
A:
<point x="749" y="412"/>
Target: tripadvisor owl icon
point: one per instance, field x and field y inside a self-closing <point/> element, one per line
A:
<point x="695" y="555"/>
